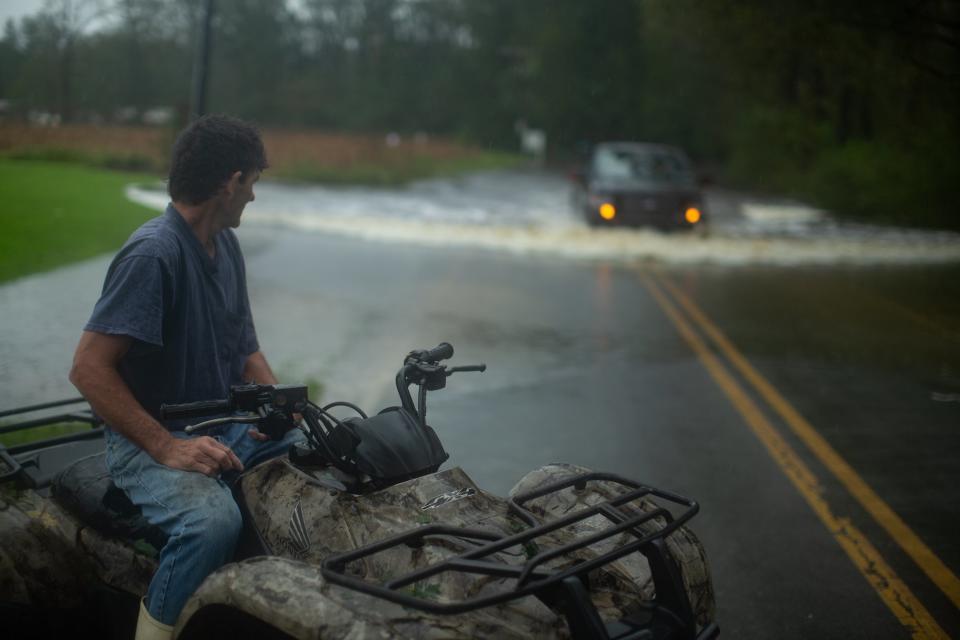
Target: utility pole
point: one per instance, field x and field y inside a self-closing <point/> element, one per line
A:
<point x="201" y="64"/>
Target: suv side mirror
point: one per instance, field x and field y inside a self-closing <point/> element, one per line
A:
<point x="577" y="176"/>
<point x="705" y="179"/>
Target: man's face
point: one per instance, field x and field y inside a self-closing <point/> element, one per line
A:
<point x="242" y="194"/>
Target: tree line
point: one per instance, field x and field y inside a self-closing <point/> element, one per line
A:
<point x="853" y="105"/>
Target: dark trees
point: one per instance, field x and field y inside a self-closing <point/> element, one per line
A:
<point x="856" y="105"/>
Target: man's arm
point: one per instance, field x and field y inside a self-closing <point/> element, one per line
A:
<point x="95" y="375"/>
<point x="256" y="369"/>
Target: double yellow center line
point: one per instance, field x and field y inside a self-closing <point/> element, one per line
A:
<point x="897" y="596"/>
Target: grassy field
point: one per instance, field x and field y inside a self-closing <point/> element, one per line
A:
<point x="61" y="188"/>
<point x="294" y="155"/>
<point x="53" y="214"/>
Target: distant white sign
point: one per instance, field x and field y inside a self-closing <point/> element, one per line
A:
<point x="532" y="141"/>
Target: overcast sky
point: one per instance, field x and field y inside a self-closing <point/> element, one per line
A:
<point x="18" y="8"/>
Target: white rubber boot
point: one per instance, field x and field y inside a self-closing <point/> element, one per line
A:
<point x="150" y="629"/>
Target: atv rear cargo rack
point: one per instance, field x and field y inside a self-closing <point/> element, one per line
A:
<point x="668" y="615"/>
<point x="34" y="463"/>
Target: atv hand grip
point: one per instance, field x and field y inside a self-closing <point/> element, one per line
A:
<point x="194" y="409"/>
<point x="440" y="352"/>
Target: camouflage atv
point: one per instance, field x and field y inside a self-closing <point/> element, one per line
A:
<point x="355" y="535"/>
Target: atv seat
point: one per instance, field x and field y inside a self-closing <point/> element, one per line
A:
<point x="86" y="490"/>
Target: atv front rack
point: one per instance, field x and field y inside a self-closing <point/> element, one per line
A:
<point x="669" y="615"/>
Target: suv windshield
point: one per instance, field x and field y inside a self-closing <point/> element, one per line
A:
<point x="661" y="166"/>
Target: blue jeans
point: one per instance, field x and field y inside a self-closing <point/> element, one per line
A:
<point x="197" y="512"/>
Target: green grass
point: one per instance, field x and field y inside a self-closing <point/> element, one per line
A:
<point x="53" y="214"/>
<point x="56" y="208"/>
<point x="42" y="433"/>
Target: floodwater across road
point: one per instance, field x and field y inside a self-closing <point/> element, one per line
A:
<point x="809" y="404"/>
<point x="530" y="214"/>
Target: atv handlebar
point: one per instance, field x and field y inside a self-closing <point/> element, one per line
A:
<point x="274" y="408"/>
<point x="442" y="351"/>
<point x="422" y="367"/>
<point x="195" y="409"/>
<point x="288" y="398"/>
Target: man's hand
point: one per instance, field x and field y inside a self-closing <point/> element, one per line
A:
<point x="256" y="434"/>
<point x="203" y="455"/>
<point x="256" y="369"/>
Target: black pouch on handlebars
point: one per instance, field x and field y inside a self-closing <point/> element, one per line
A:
<point x="390" y="447"/>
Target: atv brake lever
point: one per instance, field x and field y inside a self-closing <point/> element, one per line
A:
<point x="193" y="428"/>
<point x="470" y="367"/>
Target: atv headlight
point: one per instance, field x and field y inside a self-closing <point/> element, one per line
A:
<point x="692" y="215"/>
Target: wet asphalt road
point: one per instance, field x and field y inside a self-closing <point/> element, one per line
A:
<point x="585" y="366"/>
<point x="588" y="364"/>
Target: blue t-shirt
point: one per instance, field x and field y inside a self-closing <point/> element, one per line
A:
<point x="188" y="313"/>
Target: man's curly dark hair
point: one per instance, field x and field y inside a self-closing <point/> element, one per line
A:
<point x="208" y="152"/>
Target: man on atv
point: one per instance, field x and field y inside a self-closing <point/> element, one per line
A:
<point x="173" y="325"/>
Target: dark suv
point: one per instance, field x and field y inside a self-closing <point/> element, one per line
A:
<point x="632" y="183"/>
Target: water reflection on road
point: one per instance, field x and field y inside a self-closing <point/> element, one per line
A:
<point x="529" y="213"/>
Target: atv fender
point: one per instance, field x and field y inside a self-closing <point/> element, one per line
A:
<point x="291" y="599"/>
<point x="49" y="559"/>
<point x="58" y="575"/>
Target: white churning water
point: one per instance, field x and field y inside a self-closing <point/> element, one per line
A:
<point x="529" y="213"/>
